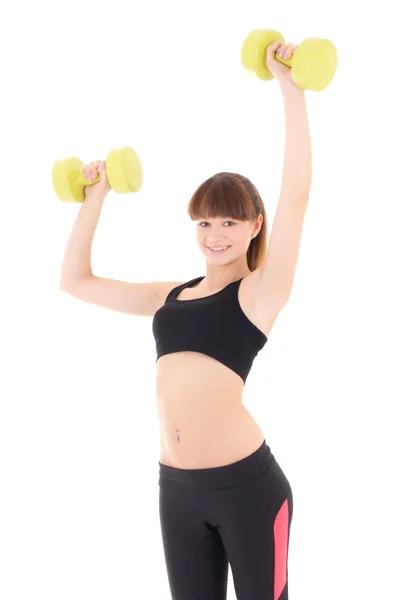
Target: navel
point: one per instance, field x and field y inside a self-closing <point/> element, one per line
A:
<point x="177" y="436"/>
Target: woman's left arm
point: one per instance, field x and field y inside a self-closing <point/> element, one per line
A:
<point x="297" y="166"/>
<point x="276" y="274"/>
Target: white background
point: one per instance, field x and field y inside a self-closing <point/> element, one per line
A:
<point x="79" y="438"/>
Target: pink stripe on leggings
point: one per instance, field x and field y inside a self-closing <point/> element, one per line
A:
<point x="281" y="527"/>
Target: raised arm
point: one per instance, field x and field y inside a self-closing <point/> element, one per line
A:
<point x="77" y="279"/>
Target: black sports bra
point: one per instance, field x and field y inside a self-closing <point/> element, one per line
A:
<point x="214" y="325"/>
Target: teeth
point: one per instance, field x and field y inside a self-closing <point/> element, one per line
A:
<point x="222" y="248"/>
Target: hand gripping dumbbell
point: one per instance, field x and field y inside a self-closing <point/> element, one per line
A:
<point x="313" y="64"/>
<point x="123" y="168"/>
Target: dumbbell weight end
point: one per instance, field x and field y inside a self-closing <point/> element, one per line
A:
<point x="68" y="180"/>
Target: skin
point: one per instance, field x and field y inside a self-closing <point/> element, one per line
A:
<point x="232" y="264"/>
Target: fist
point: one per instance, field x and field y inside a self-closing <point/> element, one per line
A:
<point x="91" y="172"/>
<point x="281" y="72"/>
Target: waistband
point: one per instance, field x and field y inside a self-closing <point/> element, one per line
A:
<point x="218" y="477"/>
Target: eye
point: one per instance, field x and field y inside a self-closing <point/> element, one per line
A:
<point x="201" y="222"/>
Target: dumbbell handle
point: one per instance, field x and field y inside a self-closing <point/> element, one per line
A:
<point x="81" y="179"/>
<point x="288" y="62"/>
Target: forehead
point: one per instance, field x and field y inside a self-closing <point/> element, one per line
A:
<point x="215" y="218"/>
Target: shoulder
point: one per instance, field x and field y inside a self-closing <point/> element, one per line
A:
<point x="165" y="287"/>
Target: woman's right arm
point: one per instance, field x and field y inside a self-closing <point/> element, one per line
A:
<point x="77" y="277"/>
<point x="77" y="257"/>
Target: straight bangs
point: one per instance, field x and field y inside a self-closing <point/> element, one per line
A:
<point x="223" y="195"/>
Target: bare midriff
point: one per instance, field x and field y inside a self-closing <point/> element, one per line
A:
<point x="203" y="422"/>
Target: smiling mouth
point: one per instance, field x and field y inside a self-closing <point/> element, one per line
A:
<point x="218" y="251"/>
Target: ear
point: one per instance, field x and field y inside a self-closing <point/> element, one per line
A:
<point x="257" y="225"/>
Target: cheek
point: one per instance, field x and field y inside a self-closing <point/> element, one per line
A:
<point x="202" y="232"/>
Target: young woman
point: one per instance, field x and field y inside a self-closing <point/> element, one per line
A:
<point x="223" y="496"/>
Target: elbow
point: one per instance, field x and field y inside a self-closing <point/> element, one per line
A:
<point x="66" y="284"/>
<point x="63" y="286"/>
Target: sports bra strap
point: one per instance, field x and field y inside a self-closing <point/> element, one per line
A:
<point x="175" y="291"/>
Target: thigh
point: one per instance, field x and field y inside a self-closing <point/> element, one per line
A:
<point x="254" y="519"/>
<point x="196" y="561"/>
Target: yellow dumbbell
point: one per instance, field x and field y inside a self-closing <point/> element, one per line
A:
<point x="123" y="168"/>
<point x="313" y="64"/>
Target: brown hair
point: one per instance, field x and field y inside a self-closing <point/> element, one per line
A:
<point x="234" y="195"/>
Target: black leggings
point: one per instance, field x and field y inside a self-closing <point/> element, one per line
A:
<point x="238" y="513"/>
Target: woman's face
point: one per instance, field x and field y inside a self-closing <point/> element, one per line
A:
<point x="220" y="232"/>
